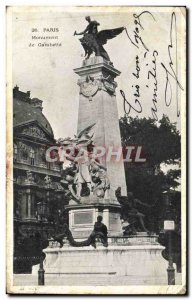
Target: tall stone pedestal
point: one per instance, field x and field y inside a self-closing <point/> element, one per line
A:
<point x="97" y="105"/>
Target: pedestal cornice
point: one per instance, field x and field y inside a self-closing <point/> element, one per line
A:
<point x="95" y="65"/>
<point x="95" y="205"/>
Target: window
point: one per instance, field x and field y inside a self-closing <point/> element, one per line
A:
<point x="32" y="156"/>
<point x="15" y="152"/>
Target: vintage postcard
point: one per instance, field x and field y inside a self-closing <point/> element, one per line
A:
<point x="96" y="150"/>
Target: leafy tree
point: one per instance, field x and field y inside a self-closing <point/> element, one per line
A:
<point x="161" y="146"/>
<point x="161" y="141"/>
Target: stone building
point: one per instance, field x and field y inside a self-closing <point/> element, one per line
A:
<point x="38" y="192"/>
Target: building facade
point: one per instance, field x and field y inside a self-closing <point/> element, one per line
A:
<point x="39" y="197"/>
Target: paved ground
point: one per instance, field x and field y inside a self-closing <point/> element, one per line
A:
<point x="81" y="280"/>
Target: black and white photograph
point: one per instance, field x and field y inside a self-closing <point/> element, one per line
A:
<point x="96" y="150"/>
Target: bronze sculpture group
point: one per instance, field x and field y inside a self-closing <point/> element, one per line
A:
<point x="93" y="41"/>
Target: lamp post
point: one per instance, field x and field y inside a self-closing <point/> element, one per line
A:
<point x="41" y="273"/>
<point x="41" y="213"/>
<point x="169" y="227"/>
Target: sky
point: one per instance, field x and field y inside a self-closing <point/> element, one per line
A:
<point x="48" y="71"/>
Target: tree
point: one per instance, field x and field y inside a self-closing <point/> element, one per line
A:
<point x="161" y="146"/>
<point x="153" y="137"/>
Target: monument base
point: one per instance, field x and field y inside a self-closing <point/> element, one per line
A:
<point x="138" y="260"/>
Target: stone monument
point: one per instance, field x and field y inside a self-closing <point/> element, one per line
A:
<point x="95" y="184"/>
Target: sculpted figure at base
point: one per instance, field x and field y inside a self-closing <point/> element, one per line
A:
<point x="93" y="41"/>
<point x="100" y="231"/>
<point x="79" y="156"/>
<point x="88" y="176"/>
<point x="130" y="214"/>
<point x="69" y="181"/>
<point x="101" y="181"/>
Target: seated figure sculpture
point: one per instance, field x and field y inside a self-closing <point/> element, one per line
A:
<point x="100" y="230"/>
<point x="130" y="214"/>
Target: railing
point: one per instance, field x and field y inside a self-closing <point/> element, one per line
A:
<point x="43" y="165"/>
<point x="36" y="168"/>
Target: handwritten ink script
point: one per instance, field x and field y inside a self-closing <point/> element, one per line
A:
<point x="172" y="70"/>
<point x="149" y="64"/>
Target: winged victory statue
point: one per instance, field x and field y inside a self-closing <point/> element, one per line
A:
<point x="93" y="41"/>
